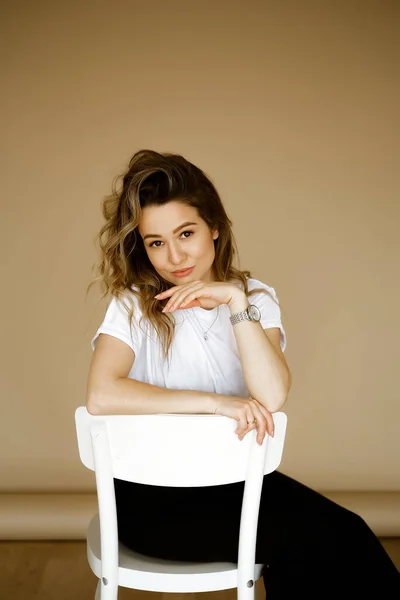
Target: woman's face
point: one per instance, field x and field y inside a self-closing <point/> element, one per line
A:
<point x="176" y="238"/>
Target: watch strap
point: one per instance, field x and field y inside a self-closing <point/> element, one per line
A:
<point x="240" y="316"/>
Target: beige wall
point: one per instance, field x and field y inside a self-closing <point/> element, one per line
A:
<point x="291" y="108"/>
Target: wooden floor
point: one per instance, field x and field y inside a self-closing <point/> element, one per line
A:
<point x="59" y="571"/>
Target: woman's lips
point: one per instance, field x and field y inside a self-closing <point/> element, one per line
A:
<point x="183" y="273"/>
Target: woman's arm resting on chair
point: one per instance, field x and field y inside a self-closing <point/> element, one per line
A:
<point x="109" y="391"/>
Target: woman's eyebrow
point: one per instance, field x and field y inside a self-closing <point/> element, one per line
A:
<point x="155" y="235"/>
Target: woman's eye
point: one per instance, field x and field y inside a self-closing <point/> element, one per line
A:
<point x="183" y="232"/>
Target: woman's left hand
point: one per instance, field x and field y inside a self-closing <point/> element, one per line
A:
<point x="200" y="293"/>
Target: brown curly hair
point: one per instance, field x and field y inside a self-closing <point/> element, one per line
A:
<point x="151" y="179"/>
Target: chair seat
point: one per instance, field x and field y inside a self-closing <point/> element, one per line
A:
<point x="141" y="572"/>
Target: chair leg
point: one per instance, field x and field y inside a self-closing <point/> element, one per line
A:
<point x="245" y="593"/>
<point x="106" y="592"/>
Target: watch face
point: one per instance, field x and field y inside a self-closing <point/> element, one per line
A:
<point x="254" y="312"/>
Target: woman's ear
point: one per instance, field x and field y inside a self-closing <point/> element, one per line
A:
<point x="215" y="234"/>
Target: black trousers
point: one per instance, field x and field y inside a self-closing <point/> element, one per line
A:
<point x="309" y="545"/>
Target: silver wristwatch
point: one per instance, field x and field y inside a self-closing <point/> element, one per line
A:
<point x="252" y="313"/>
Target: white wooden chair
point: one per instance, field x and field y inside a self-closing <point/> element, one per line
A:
<point x="177" y="451"/>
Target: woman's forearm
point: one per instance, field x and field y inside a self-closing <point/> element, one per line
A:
<point x="266" y="376"/>
<point x="125" y="396"/>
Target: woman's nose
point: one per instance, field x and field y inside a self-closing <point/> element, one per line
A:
<point x="176" y="256"/>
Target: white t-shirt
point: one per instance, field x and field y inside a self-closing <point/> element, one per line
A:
<point x="211" y="365"/>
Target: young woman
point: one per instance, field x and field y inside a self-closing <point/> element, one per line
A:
<point x="188" y="332"/>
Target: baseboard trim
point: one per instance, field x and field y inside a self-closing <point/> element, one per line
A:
<point x="66" y="516"/>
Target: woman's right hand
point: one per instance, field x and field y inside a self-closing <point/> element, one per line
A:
<point x="244" y="411"/>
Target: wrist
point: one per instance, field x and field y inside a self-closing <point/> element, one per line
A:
<point x="212" y="404"/>
<point x="239" y="302"/>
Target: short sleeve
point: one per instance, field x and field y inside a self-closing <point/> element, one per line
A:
<point x="116" y="323"/>
<point x="269" y="308"/>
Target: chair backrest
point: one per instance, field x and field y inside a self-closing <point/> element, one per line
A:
<point x="176" y="450"/>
